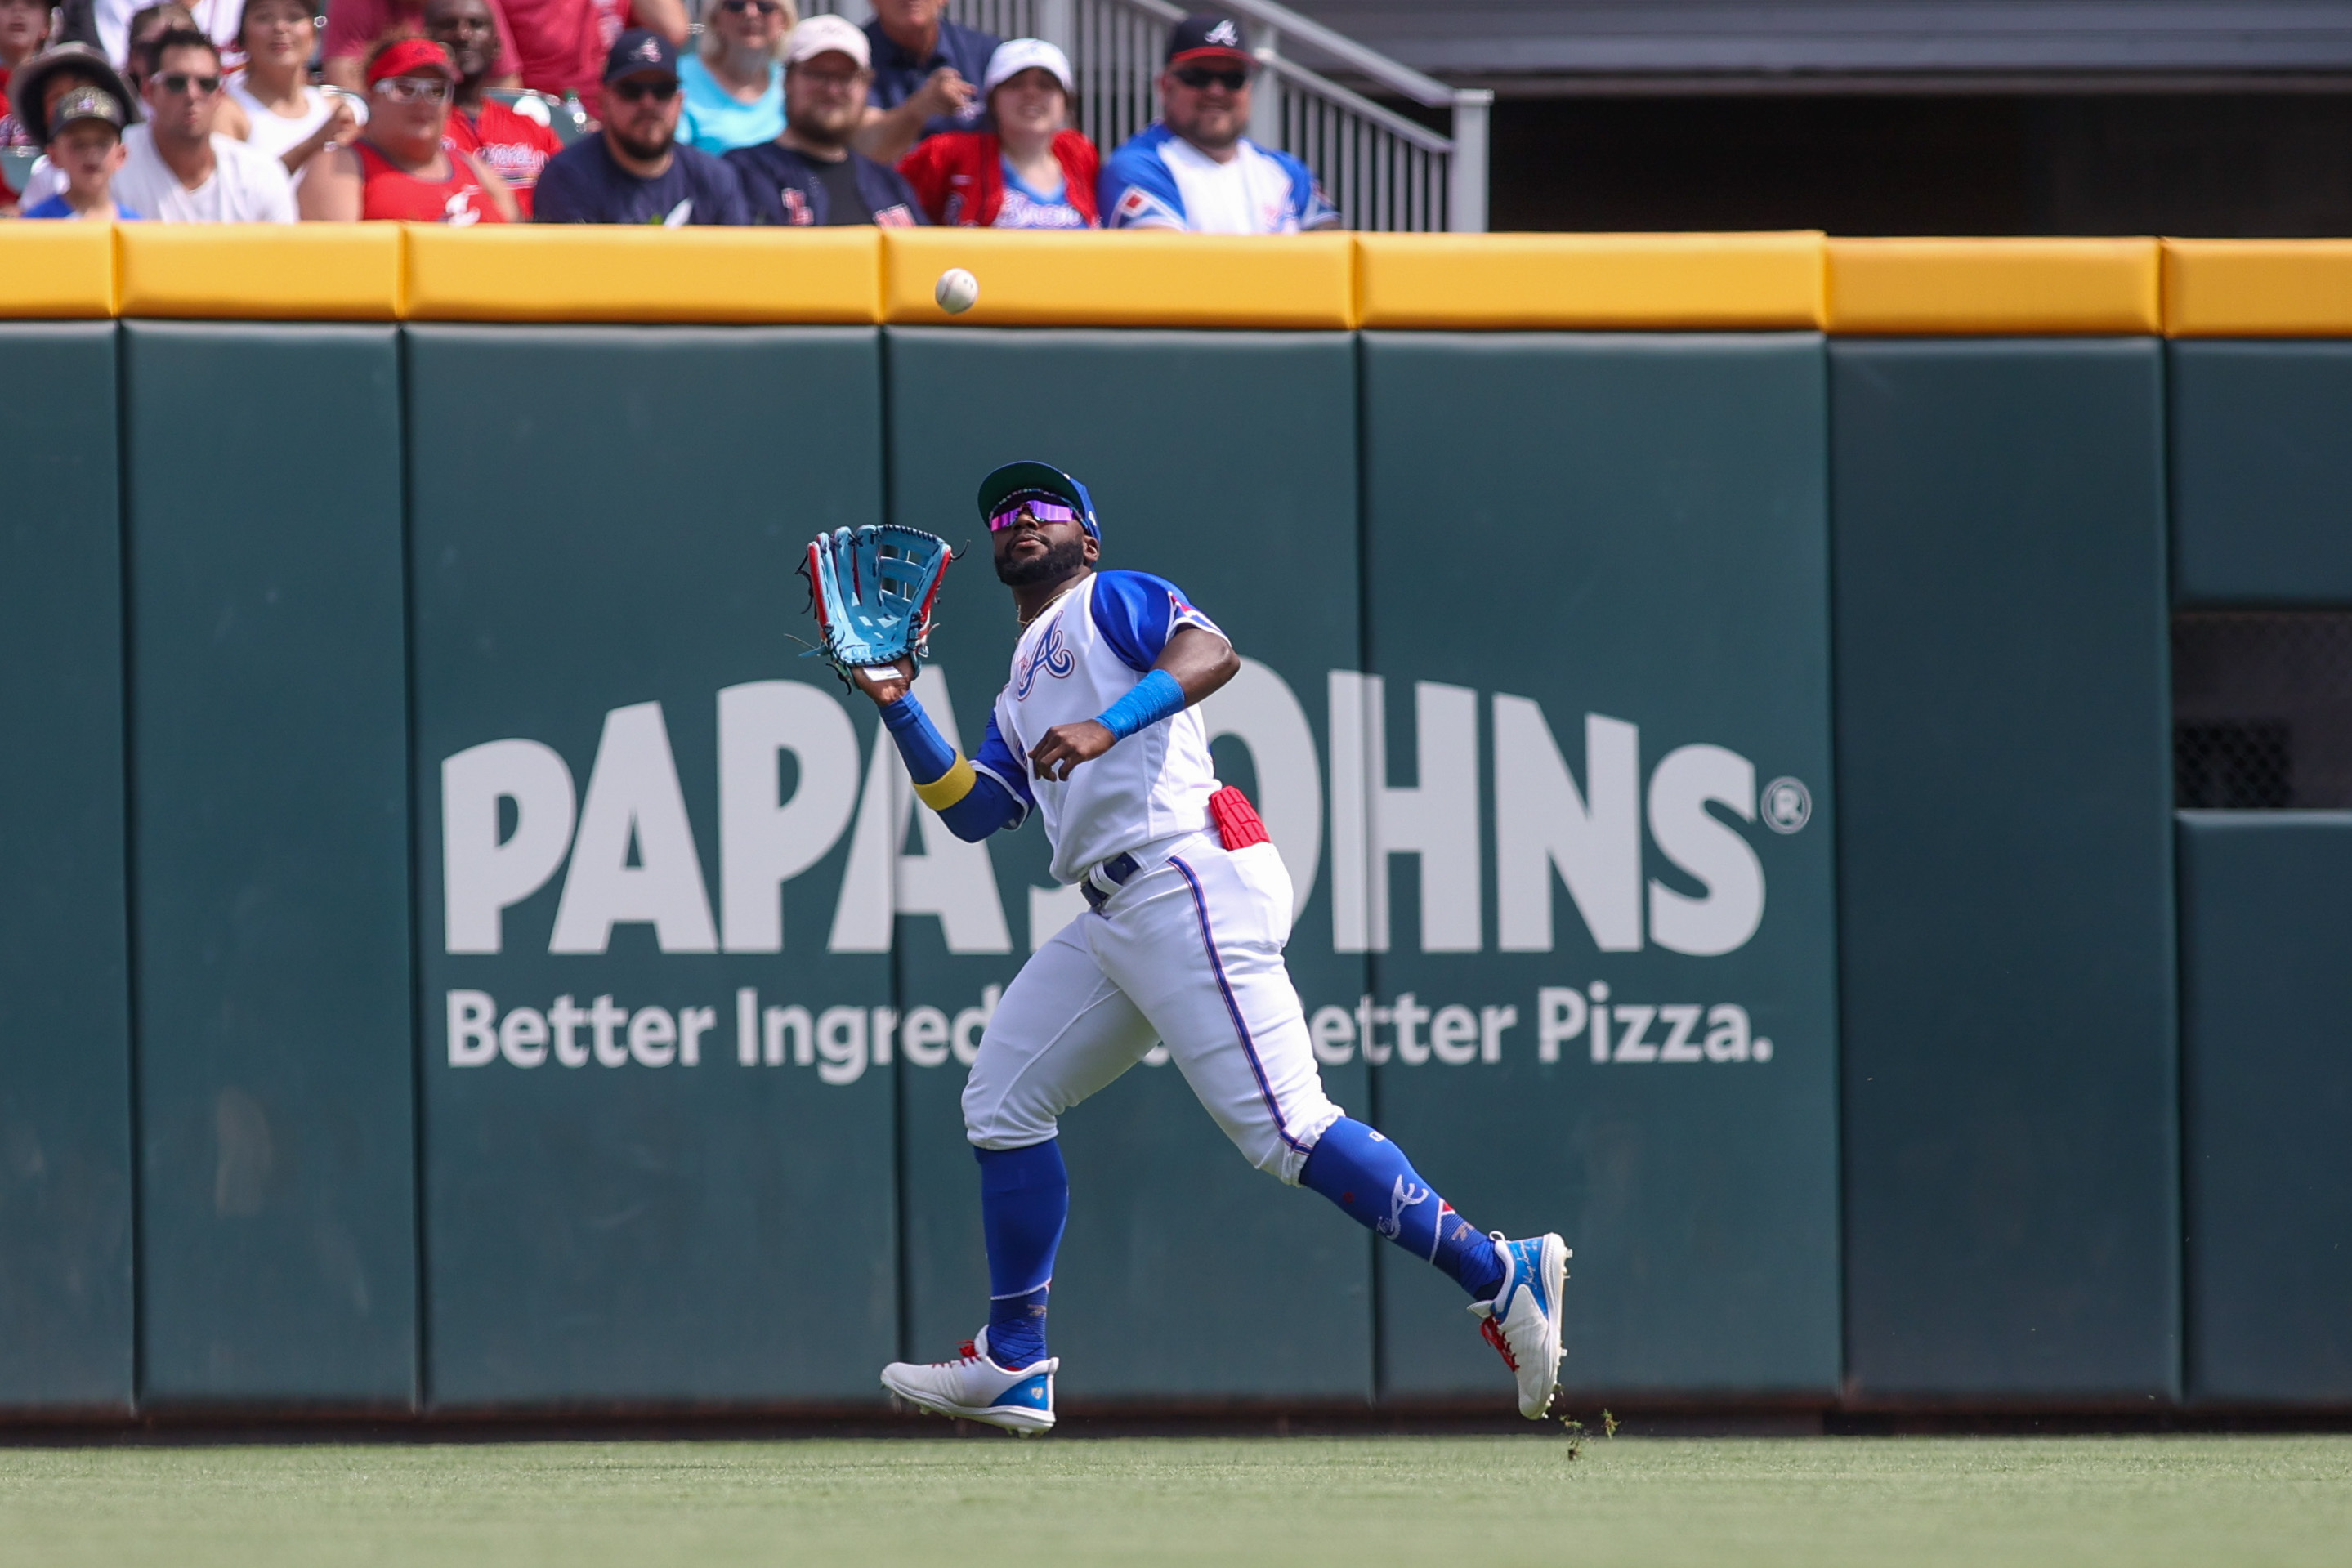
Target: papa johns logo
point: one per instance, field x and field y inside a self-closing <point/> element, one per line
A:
<point x="1052" y="656"/>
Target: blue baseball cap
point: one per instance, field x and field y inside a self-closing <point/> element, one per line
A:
<point x="1025" y="480"/>
<point x="637" y="51"/>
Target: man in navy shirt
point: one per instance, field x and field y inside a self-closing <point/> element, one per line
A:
<point x="636" y="171"/>
<point x="926" y="70"/>
<point x="809" y="175"/>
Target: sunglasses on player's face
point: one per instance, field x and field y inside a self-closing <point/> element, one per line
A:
<point x="634" y="90"/>
<point x="183" y="81"/>
<point x="1233" y="79"/>
<point x="1044" y="511"/>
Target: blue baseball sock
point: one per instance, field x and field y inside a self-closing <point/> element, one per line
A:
<point x="1369" y="1177"/>
<point x="1024" y="1201"/>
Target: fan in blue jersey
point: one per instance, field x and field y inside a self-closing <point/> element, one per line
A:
<point x="1192" y="168"/>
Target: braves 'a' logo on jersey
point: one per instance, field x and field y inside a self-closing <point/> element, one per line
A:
<point x="1052" y="655"/>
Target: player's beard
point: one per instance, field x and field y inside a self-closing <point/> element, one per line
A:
<point x="1058" y="562"/>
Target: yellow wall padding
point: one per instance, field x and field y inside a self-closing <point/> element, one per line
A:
<point x="2258" y="288"/>
<point x="1126" y="279"/>
<point x="49" y="270"/>
<point x="273" y="272"/>
<point x="2028" y="286"/>
<point x="621" y="273"/>
<point x="1555" y="281"/>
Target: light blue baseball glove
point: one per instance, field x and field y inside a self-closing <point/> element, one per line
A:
<point x="872" y="590"/>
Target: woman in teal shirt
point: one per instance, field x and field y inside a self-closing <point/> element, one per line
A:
<point x="734" y="83"/>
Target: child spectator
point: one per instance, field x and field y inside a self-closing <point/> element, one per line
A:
<point x="179" y="167"/>
<point x="86" y="146"/>
<point x="42" y="81"/>
<point x="401" y="166"/>
<point x="636" y="171"/>
<point x="1032" y="171"/>
<point x="292" y="120"/>
<point x="809" y="175"/>
<point x="735" y="81"/>
<point x="924" y="69"/>
<point x="511" y="144"/>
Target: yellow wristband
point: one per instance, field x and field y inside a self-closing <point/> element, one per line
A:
<point x="949" y="786"/>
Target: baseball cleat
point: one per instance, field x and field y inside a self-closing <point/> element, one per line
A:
<point x="976" y="1388"/>
<point x="1523" y="1319"/>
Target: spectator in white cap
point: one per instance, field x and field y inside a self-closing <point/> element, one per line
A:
<point x="810" y="175"/>
<point x="1033" y="171"/>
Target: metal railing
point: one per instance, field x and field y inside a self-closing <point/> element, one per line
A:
<point x="1382" y="170"/>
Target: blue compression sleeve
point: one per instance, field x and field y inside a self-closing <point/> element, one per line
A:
<point x="972" y="804"/>
<point x="1369" y="1177"/>
<point x="1025" y="1202"/>
<point x="1151" y="699"/>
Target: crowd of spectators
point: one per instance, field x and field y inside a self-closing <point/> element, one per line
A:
<point x="430" y="110"/>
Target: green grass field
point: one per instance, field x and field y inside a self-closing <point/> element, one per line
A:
<point x="1474" y="1502"/>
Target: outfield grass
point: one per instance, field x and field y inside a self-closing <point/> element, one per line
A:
<point x="1462" y="1502"/>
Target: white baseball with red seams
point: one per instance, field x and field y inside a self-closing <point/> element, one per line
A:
<point x="1188" y="952"/>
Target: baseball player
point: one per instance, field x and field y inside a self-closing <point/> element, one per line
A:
<point x="1098" y="731"/>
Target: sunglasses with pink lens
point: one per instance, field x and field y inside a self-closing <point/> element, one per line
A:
<point x="1044" y="511"/>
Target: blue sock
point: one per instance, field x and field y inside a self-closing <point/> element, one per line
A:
<point x="1369" y="1177"/>
<point x="1024" y="1201"/>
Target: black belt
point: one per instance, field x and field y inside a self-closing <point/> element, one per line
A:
<point x="1120" y="870"/>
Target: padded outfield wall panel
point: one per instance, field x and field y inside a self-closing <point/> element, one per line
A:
<point x="2261" y="469"/>
<point x="2266" y="1079"/>
<point x="271" y="870"/>
<point x="1597" y="571"/>
<point x="1239" y="1286"/>
<point x="2003" y="725"/>
<point x="65" y="1016"/>
<point x="635" y="803"/>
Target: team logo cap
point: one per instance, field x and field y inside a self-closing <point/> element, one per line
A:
<point x="1208" y="36"/>
<point x="639" y="52"/>
<point x="1015" y="481"/>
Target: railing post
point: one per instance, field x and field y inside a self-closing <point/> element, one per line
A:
<point x="1465" y="183"/>
<point x="1057" y="24"/>
<point x="1265" y="94"/>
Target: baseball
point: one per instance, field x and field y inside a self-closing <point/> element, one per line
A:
<point x="957" y="291"/>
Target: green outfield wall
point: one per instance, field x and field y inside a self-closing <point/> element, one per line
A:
<point x="463" y="957"/>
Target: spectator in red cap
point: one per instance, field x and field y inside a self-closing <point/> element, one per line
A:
<point x="514" y="145"/>
<point x="1033" y="171"/>
<point x="401" y="167"/>
<point x="292" y="118"/>
<point x="636" y="170"/>
<point x="354" y="28"/>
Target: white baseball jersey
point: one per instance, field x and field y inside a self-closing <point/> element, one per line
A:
<point x="1086" y="651"/>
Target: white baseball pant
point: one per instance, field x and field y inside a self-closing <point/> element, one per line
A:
<point x="1188" y="952"/>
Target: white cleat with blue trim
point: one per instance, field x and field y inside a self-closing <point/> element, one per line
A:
<point x="1523" y="1321"/>
<point x="975" y="1388"/>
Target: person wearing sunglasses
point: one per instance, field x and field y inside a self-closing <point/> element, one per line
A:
<point x="636" y="170"/>
<point x="403" y="165"/>
<point x="1192" y="168"/>
<point x="734" y="83"/>
<point x="514" y="145"/>
<point x="1098" y="732"/>
<point x="178" y="167"/>
<point x="1033" y="171"/>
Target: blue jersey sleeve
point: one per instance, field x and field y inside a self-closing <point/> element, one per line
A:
<point x="1135" y="190"/>
<point x="995" y="759"/>
<point x="1138" y="613"/>
<point x="1309" y="207"/>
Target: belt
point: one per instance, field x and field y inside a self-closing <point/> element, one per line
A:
<point x="1107" y="877"/>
